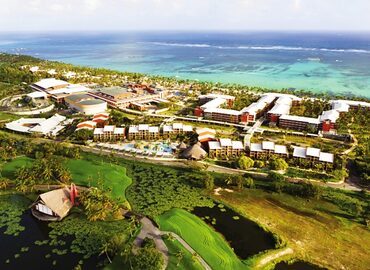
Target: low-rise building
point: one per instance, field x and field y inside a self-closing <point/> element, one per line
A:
<point x="299" y="123"/>
<point x="206" y="134"/>
<point x="48" y="127"/>
<point x="109" y="133"/>
<point x="86" y="104"/>
<point x="225" y="148"/>
<point x="143" y="132"/>
<point x="328" y="120"/>
<point x="175" y="129"/>
<point x="312" y="155"/>
<point x="267" y="149"/>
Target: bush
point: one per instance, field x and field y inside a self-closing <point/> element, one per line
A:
<point x="259" y="164"/>
<point x="278" y="164"/>
<point x="245" y="162"/>
<point x="274" y="176"/>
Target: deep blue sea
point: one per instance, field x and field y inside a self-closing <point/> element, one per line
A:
<point x="332" y="62"/>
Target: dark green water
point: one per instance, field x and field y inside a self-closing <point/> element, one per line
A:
<point x="34" y="258"/>
<point x="243" y="235"/>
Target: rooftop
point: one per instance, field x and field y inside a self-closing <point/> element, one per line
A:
<point x="310" y="120"/>
<point x="50" y="83"/>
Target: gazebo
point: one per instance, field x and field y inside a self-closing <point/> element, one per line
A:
<point x="194" y="152"/>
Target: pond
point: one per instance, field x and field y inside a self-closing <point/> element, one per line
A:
<point x="21" y="252"/>
<point x="297" y="265"/>
<point x="243" y="235"/>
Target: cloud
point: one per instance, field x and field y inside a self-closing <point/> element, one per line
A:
<point x="44" y="15"/>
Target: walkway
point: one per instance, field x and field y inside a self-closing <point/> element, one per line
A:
<point x="271" y="257"/>
<point x="190" y="249"/>
<point x="150" y="231"/>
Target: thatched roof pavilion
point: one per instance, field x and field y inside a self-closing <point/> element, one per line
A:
<point x="194" y="152"/>
<point x="53" y="205"/>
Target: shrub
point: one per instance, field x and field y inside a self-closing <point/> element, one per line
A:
<point x="245" y="162"/>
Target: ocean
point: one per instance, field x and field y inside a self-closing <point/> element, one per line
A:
<point x="320" y="62"/>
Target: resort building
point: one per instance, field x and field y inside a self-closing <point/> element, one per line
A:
<point x="267" y="149"/>
<point x="143" y="132"/>
<point x="206" y="134"/>
<point x="222" y="115"/>
<point x="86" y="125"/>
<point x="123" y="97"/>
<point x="299" y="123"/>
<point x="313" y="155"/>
<point x="53" y="205"/>
<point x="109" y="133"/>
<point x="55" y="89"/>
<point x="257" y="109"/>
<point x="85" y="104"/>
<point x="48" y="127"/>
<point x="328" y="120"/>
<point x="175" y="129"/>
<point x="282" y="107"/>
<point x="225" y="148"/>
<point x="100" y="118"/>
<point x="211" y="108"/>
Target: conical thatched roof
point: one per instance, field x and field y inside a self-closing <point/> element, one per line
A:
<point x="58" y="201"/>
<point x="194" y="152"/>
<point x="182" y="146"/>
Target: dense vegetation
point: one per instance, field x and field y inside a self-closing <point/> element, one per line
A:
<point x="11" y="72"/>
<point x="310" y="108"/>
<point x="359" y="124"/>
<point x="11" y="209"/>
<point x="158" y="189"/>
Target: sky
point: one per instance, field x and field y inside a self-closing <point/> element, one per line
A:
<point x="193" y="15"/>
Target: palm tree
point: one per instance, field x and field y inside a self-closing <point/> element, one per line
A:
<point x="105" y="249"/>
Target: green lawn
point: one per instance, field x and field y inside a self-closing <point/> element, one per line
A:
<point x="9" y="168"/>
<point x="7" y="116"/>
<point x="209" y="244"/>
<point x="85" y="171"/>
<point x="186" y="263"/>
<point x="88" y="172"/>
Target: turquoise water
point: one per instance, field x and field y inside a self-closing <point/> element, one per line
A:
<point x="320" y="62"/>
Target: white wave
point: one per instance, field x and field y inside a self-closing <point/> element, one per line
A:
<point x="180" y="44"/>
<point x="270" y="48"/>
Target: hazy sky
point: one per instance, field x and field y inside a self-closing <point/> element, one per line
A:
<point x="45" y="15"/>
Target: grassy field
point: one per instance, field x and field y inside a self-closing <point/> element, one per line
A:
<point x="316" y="230"/>
<point x="186" y="263"/>
<point x="86" y="171"/>
<point x="209" y="244"/>
<point x="9" y="168"/>
<point x="7" y="117"/>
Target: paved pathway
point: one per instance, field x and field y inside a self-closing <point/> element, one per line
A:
<point x="190" y="249"/>
<point x="150" y="231"/>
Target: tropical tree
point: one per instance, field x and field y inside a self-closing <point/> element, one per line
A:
<point x="245" y="162"/>
<point x="278" y="164"/>
<point x="209" y="181"/>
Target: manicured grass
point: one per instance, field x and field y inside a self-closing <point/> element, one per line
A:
<point x="209" y="244"/>
<point x="7" y="116"/>
<point x="316" y="230"/>
<point x="10" y="168"/>
<point x="88" y="172"/>
<point x="186" y="263"/>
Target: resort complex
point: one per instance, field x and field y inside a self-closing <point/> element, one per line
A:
<point x="116" y="170"/>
